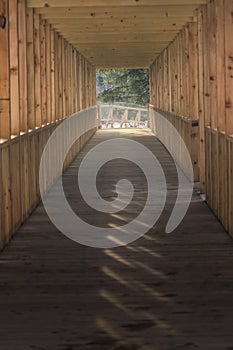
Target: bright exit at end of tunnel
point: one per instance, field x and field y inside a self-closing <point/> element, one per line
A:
<point x="124" y="96"/>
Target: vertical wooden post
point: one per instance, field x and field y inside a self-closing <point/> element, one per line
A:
<point x="229" y="66"/>
<point x="22" y="66"/>
<point x="56" y="76"/>
<point x="187" y="67"/>
<point x="30" y="70"/>
<point x="14" y="67"/>
<point x="74" y="80"/>
<point x="201" y="102"/>
<point x="213" y="66"/>
<point x="48" y="73"/>
<point x="193" y="69"/>
<point x="37" y="70"/>
<point x="60" y="80"/>
<point x="76" y="109"/>
<point x="5" y="199"/>
<point x="80" y="82"/>
<point x="43" y="72"/>
<point x="52" y="76"/>
<point x="100" y="117"/>
<point x="4" y="74"/>
<point x="220" y="53"/>
<point x="206" y="28"/>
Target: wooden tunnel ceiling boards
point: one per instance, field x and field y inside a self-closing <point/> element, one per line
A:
<point x="126" y="33"/>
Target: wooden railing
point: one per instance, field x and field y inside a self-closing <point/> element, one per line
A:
<point x="118" y="116"/>
<point x="19" y="173"/>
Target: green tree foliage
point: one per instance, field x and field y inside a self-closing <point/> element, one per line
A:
<point x="123" y="85"/>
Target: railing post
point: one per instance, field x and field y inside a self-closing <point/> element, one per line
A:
<point x="137" y="119"/>
<point x="111" y="116"/>
<point x="149" y="116"/>
<point x="99" y="117"/>
<point x="126" y="117"/>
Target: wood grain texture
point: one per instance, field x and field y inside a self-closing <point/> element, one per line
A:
<point x="98" y="24"/>
<point x="206" y="85"/>
<point x="162" y="291"/>
<point x="32" y="97"/>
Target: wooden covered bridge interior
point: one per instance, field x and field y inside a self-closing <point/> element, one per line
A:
<point x="162" y="291"/>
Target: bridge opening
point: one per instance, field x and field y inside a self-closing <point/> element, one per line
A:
<point x="123" y="95"/>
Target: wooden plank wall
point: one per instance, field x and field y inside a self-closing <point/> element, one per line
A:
<point x="174" y="89"/>
<point x="42" y="82"/>
<point x="197" y="83"/>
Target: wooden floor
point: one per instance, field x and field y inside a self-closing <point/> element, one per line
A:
<point x="162" y="292"/>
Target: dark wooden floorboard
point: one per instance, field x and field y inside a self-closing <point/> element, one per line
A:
<point x="162" y="292"/>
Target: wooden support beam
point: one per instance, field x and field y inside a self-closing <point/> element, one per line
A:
<point x="220" y="61"/>
<point x="56" y="76"/>
<point x="107" y="3"/>
<point x="201" y="115"/>
<point x="118" y="38"/>
<point x="52" y="76"/>
<point x="23" y="98"/>
<point x="193" y="70"/>
<point x="14" y="67"/>
<point x="213" y="67"/>
<point x="4" y="73"/>
<point x="43" y="72"/>
<point x="30" y="70"/>
<point x="229" y="65"/>
<point x="48" y="72"/>
<point x="37" y="62"/>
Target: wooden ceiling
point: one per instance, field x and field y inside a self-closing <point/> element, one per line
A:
<point x="119" y="33"/>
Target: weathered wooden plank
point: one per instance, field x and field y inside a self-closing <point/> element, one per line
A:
<point x="52" y="74"/>
<point x="15" y="184"/>
<point x="60" y="79"/>
<point x="187" y="67"/>
<point x="37" y="62"/>
<point x="30" y="70"/>
<point x="22" y="37"/>
<point x="212" y="66"/>
<point x="229" y="65"/>
<point x="24" y="178"/>
<point x="193" y="70"/>
<point x="64" y="65"/>
<point x="48" y="73"/>
<point x="56" y="76"/>
<point x="33" y="159"/>
<point x="206" y="66"/>
<point x="5" y="198"/>
<point x="220" y="57"/>
<point x="14" y="67"/>
<point x="201" y="101"/>
<point x="106" y="3"/>
<point x="4" y="74"/>
<point x="43" y="72"/>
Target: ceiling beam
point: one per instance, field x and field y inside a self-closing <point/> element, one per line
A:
<point x="106" y="3"/>
<point x="113" y="12"/>
<point x="118" y="38"/>
<point x="118" y="25"/>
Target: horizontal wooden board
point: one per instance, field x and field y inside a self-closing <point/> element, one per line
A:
<point x="117" y="11"/>
<point x="106" y="3"/>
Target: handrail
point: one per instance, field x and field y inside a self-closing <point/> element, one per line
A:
<point x="124" y="120"/>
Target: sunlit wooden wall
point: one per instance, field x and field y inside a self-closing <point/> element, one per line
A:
<point x="193" y="80"/>
<point x="43" y="80"/>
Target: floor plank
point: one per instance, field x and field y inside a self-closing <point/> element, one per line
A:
<point x="161" y="292"/>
